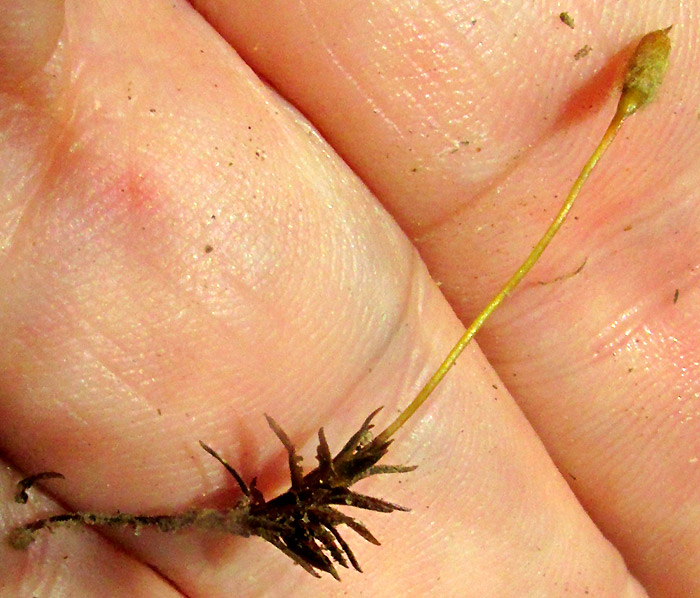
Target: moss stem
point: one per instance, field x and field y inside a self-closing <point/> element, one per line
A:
<point x="644" y="75"/>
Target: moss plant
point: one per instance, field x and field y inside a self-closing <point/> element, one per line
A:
<point x="303" y="521"/>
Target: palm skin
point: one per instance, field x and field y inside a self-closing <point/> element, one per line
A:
<point x="182" y="252"/>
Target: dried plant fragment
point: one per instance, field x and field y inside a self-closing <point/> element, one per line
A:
<point x="567" y="19"/>
<point x="302" y="522"/>
<point x="583" y="52"/>
<point x="23" y="485"/>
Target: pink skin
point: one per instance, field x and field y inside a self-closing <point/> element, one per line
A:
<point x="134" y="138"/>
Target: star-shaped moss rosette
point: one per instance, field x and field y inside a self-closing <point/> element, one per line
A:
<point x="302" y="522"/>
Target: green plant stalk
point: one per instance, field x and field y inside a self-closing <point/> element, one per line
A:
<point x="644" y="75"/>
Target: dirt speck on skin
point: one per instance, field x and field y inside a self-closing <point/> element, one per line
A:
<point x="583" y="52"/>
<point x="567" y="19"/>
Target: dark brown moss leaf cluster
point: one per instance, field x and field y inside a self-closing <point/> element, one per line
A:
<point x="302" y="522"/>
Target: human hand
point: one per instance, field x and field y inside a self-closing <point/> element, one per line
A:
<point x="182" y="253"/>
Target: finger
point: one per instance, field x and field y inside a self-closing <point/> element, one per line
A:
<point x="138" y="327"/>
<point x="469" y="125"/>
<point x="79" y="565"/>
<point x="28" y="35"/>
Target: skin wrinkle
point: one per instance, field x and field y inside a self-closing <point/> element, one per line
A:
<point x="337" y="64"/>
<point x="401" y="320"/>
<point x="369" y="365"/>
<point x="423" y="233"/>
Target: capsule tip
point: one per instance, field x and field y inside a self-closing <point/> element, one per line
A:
<point x="647" y="67"/>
